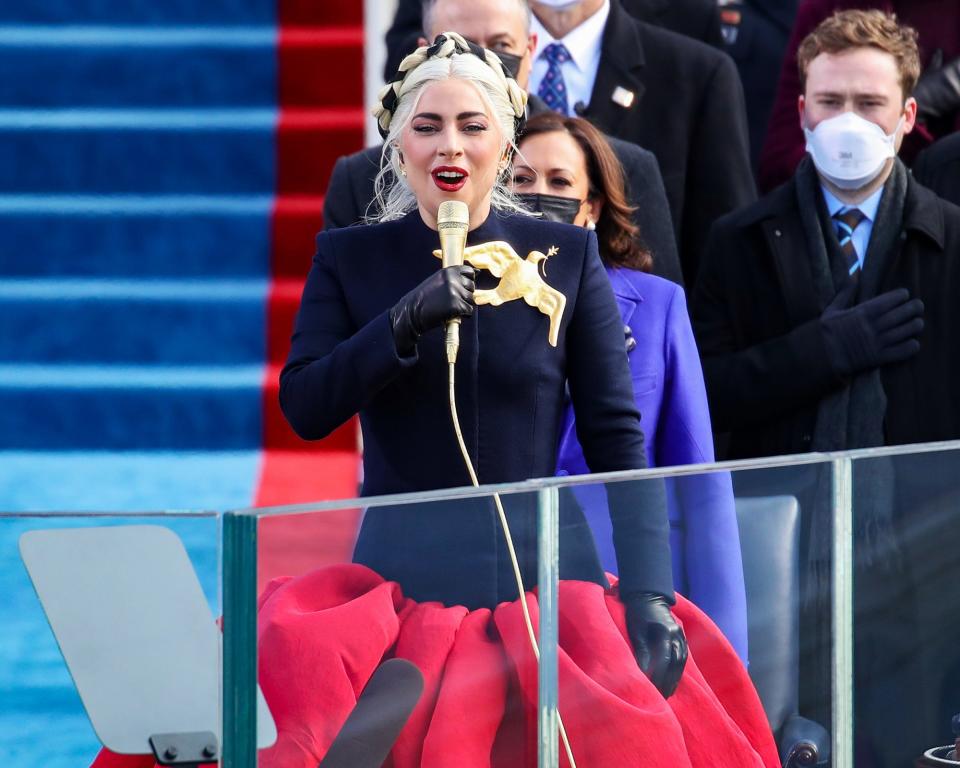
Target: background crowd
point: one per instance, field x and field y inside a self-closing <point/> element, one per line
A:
<point x="789" y="171"/>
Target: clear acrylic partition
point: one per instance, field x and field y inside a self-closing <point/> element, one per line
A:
<point x="849" y="571"/>
<point x="831" y="640"/>
<point x="42" y="717"/>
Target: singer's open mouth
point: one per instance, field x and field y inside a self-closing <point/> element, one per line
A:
<point x="449" y="178"/>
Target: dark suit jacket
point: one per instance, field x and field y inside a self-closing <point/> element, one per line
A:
<point x="939" y="168"/>
<point x="756" y="319"/>
<point x="510" y="397"/>
<point x="689" y="111"/>
<point x="757" y="44"/>
<point x="351" y="190"/>
<point x="698" y="19"/>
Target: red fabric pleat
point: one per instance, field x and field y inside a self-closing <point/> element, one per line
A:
<point x="323" y="635"/>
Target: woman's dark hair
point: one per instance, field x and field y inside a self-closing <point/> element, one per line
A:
<point x="619" y="236"/>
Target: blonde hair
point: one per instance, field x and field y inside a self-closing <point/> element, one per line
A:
<point x="846" y="30"/>
<point x="505" y="100"/>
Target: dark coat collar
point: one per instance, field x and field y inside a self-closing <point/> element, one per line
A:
<point x="922" y="210"/>
<point x="622" y="61"/>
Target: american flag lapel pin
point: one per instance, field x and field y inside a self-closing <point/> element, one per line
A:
<point x="623" y="97"/>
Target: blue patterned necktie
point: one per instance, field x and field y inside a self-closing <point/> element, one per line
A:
<point x="552" y="89"/>
<point x="848" y="219"/>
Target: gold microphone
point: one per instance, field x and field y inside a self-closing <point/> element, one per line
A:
<point x="453" y="221"/>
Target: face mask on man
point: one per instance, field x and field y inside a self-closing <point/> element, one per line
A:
<point x="849" y="150"/>
<point x="511" y="61"/>
<point x="553" y="207"/>
<point x="559" y="5"/>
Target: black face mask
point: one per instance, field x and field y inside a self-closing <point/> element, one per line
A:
<point x="553" y="207"/>
<point x="511" y="61"/>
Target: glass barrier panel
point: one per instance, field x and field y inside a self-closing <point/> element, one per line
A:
<point x="399" y="619"/>
<point x="731" y="546"/>
<point x="906" y="565"/>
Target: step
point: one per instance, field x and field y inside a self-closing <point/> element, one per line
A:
<point x="170" y="322"/>
<point x="181" y="66"/>
<point x="180" y="236"/>
<point x="297" y="220"/>
<point x="132" y="67"/>
<point x="309" y="143"/>
<point x="310" y="12"/>
<point x="284" y="302"/>
<point x="61" y="407"/>
<point x="278" y="434"/>
<point x="112" y="481"/>
<point x="145" y="12"/>
<point x="229" y="152"/>
<point x="140" y="152"/>
<point x="321" y="66"/>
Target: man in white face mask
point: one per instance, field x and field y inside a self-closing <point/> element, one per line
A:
<point x="828" y="318"/>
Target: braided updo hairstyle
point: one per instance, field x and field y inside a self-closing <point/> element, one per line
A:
<point x="449" y="57"/>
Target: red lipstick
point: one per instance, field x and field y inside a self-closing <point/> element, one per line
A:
<point x="449" y="178"/>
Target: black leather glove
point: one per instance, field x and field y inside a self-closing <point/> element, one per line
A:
<point x="658" y="641"/>
<point x="445" y="294"/>
<point x="877" y="332"/>
<point x="938" y="90"/>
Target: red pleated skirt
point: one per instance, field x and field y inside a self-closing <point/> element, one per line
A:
<point x="322" y="635"/>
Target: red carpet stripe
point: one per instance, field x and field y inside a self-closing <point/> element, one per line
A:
<point x="321" y="118"/>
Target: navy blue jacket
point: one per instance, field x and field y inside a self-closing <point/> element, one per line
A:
<point x="510" y="398"/>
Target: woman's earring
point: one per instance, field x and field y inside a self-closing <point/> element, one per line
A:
<point x="591" y="224"/>
<point x="403" y="171"/>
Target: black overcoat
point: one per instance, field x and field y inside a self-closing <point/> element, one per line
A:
<point x="510" y="398"/>
<point x="756" y="320"/>
<point x="688" y="109"/>
<point x="699" y="19"/>
<point x="938" y="167"/>
<point x="350" y="192"/>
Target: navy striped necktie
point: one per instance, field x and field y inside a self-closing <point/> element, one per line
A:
<point x="847" y="221"/>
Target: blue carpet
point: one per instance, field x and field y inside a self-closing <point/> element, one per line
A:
<point x="163" y="151"/>
<point x="174" y="322"/>
<point x="130" y="408"/>
<point x="131" y="236"/>
<point x="186" y="12"/>
<point x="138" y="142"/>
<point x="139" y="67"/>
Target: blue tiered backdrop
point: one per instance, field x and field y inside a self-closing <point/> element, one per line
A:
<point x="137" y="142"/>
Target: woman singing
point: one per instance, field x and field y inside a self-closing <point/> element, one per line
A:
<point x="433" y="584"/>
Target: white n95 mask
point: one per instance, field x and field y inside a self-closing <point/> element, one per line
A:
<point x="849" y="150"/>
<point x="560" y="5"/>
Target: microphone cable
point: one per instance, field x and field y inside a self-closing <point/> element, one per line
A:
<point x="451" y="366"/>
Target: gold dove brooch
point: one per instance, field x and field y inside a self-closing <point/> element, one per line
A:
<point x="519" y="279"/>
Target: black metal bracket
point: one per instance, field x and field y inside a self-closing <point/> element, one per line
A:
<point x="185" y="750"/>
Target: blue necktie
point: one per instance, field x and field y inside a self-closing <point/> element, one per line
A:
<point x="848" y="219"/>
<point x="552" y="89"/>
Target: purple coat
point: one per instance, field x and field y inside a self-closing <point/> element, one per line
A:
<point x="669" y="389"/>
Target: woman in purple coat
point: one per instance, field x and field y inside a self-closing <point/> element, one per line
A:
<point x="566" y="170"/>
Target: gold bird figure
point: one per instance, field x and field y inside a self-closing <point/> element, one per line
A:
<point x="519" y="278"/>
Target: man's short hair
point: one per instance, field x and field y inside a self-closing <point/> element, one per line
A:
<point x="846" y="30"/>
<point x="426" y="9"/>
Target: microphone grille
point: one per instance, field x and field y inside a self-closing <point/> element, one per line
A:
<point x="453" y="213"/>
